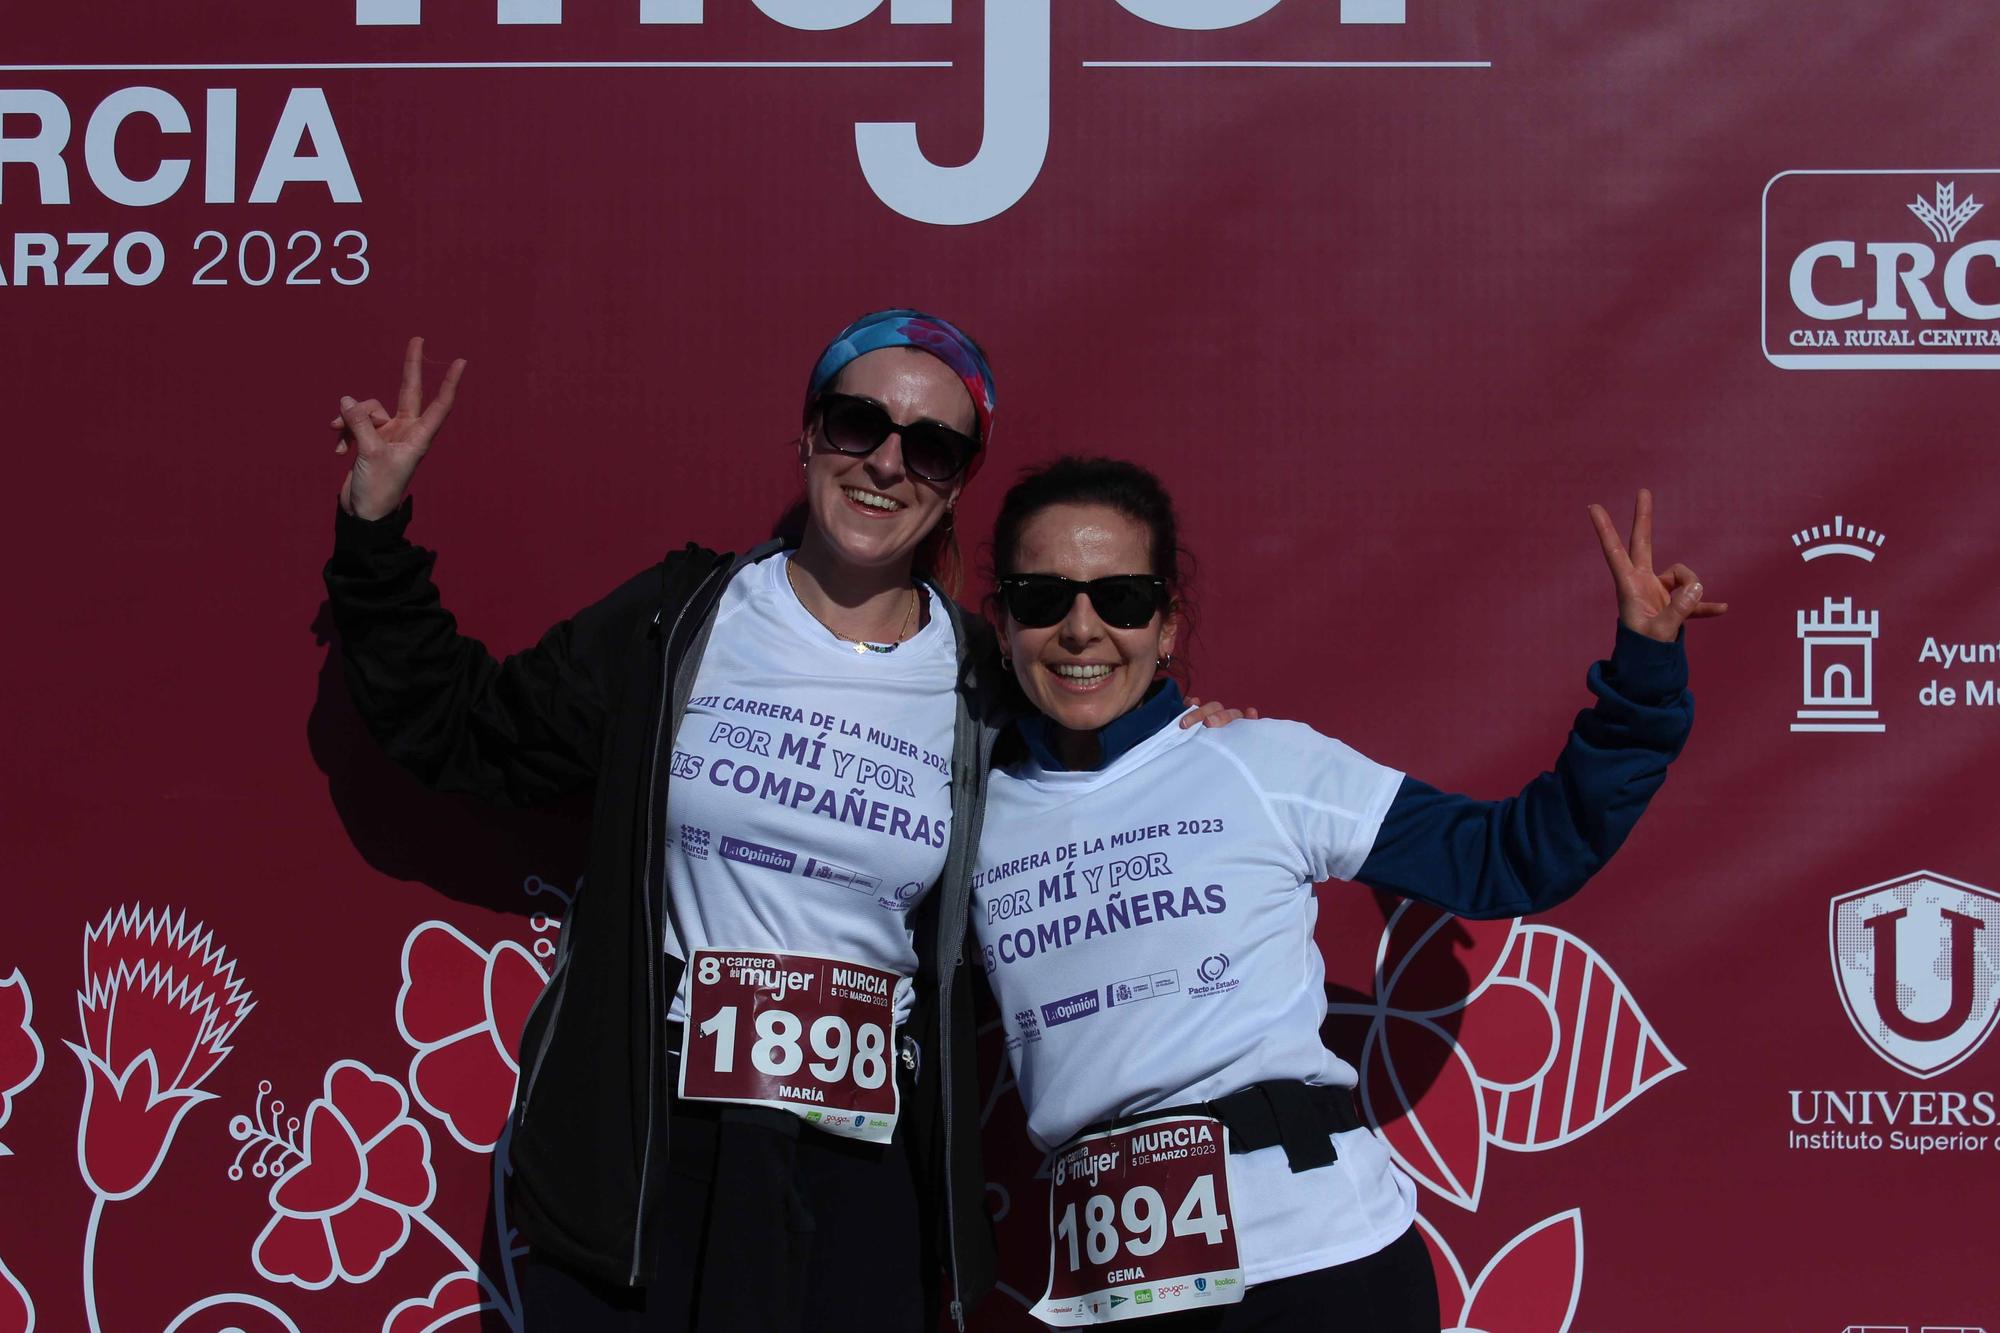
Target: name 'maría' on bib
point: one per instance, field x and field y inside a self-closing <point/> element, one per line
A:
<point x="810" y="1035"/>
<point x="1139" y="1223"/>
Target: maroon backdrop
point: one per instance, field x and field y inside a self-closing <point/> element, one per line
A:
<point x="1386" y="317"/>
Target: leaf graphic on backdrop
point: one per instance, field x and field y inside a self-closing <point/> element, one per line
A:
<point x="1532" y="1285"/>
<point x="1451" y="1283"/>
<point x="17" y="1312"/>
<point x="1429" y="961"/>
<point x="1441" y="1138"/>
<point x="1606" y="1052"/>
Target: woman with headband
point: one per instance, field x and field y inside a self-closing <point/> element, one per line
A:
<point x="747" y="1097"/>
<point x="1144" y="911"/>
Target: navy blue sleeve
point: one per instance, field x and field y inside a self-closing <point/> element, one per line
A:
<point x="1490" y="859"/>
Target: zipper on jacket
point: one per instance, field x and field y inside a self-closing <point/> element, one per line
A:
<point x="655" y="940"/>
<point x="967" y="738"/>
<point x="950" y="1192"/>
<point x="560" y="989"/>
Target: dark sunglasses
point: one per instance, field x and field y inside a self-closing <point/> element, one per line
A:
<point x="1123" y="601"/>
<point x="858" y="426"/>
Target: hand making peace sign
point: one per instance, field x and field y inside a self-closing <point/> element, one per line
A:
<point x="1653" y="604"/>
<point x="387" y="449"/>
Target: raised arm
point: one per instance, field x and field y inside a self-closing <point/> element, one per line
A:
<point x="519" y="731"/>
<point x="1529" y="852"/>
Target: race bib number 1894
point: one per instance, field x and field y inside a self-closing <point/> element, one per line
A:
<point x="1139" y="1223"/>
<point x="810" y="1035"/>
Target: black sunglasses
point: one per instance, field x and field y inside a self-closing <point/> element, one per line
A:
<point x="1122" y="601"/>
<point x="858" y="426"/>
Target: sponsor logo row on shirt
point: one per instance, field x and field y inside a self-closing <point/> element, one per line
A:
<point x="1212" y="978"/>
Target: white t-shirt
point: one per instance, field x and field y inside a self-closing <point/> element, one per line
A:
<point x="1148" y="931"/>
<point x="811" y="797"/>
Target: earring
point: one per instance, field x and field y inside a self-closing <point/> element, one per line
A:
<point x="1007" y="664"/>
<point x="1164" y="662"/>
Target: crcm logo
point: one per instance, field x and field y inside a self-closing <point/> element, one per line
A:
<point x="1881" y="270"/>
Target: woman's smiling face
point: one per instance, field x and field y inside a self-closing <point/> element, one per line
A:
<point x="871" y="509"/>
<point x="1080" y="671"/>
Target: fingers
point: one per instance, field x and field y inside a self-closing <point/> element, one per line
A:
<point x="341" y="444"/>
<point x="410" y="399"/>
<point x="360" y="423"/>
<point x="375" y="414"/>
<point x="1607" y="537"/>
<point x="1686" y="599"/>
<point x="1642" y="530"/>
<point x="1680" y="579"/>
<point x="1684" y="602"/>
<point x="1211" y="714"/>
<point x="447" y="394"/>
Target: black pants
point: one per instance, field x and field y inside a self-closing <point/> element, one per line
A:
<point x="1390" y="1291"/>
<point x="764" y="1230"/>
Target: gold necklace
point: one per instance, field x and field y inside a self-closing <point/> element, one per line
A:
<point x="860" y="645"/>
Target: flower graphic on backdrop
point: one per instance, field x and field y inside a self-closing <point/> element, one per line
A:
<point x="20" y="1048"/>
<point x="1494" y="1033"/>
<point x="20" y="1063"/>
<point x="462" y="1009"/>
<point x="1531" y="1286"/>
<point x="452" y="1306"/>
<point x="159" y="1001"/>
<point x="364" y="1171"/>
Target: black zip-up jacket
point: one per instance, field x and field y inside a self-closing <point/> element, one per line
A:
<point x="595" y="705"/>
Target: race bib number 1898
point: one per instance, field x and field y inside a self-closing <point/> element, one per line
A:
<point x="810" y="1035"/>
<point x="1139" y="1223"/>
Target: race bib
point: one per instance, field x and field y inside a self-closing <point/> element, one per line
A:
<point x="810" y="1035"/>
<point x="1139" y="1223"/>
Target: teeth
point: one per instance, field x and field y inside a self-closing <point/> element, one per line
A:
<point x="869" y="498"/>
<point x="1081" y="671"/>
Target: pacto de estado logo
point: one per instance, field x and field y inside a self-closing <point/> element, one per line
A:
<point x="1882" y="270"/>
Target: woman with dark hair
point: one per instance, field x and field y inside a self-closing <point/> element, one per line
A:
<point x="1144" y="911"/>
<point x="747" y="1097"/>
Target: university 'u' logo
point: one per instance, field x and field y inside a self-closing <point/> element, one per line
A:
<point x="1889" y="1004"/>
<point x="1917" y="963"/>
